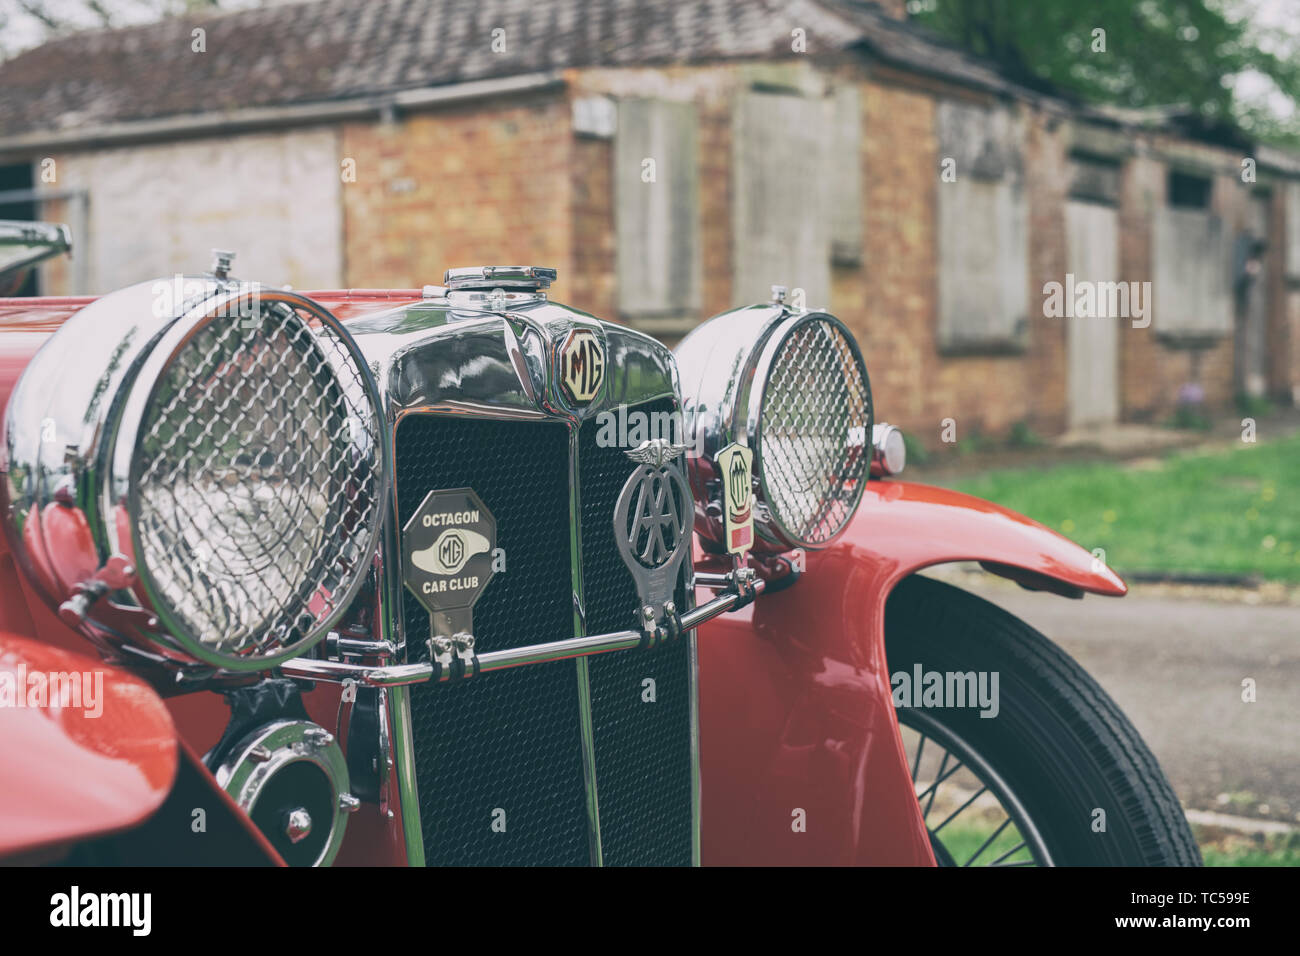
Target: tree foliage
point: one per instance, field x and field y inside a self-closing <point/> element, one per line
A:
<point x="26" y="23"/>
<point x="1135" y="53"/>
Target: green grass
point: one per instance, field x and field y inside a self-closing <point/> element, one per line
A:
<point x="964" y="838"/>
<point x="1218" y="847"/>
<point x="1229" y="511"/>
<point x="1223" y="849"/>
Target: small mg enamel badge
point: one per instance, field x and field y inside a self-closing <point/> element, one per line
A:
<point x="736" y="472"/>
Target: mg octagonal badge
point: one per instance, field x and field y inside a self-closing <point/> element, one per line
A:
<point x="447" y="549"/>
<point x="582" y="365"/>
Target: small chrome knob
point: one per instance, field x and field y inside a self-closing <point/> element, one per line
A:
<point x="222" y="259"/>
<point x="888" y="450"/>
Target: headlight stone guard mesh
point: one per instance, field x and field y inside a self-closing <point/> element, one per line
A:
<point x="257" y="482"/>
<point x="814" y="421"/>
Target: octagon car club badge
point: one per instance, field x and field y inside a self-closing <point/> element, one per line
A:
<point x="582" y="365"/>
<point x="736" y="472"/>
<point x="652" y="521"/>
<point x="447" y="563"/>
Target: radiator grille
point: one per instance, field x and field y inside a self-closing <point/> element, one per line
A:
<point x="643" y="758"/>
<point x="510" y="739"/>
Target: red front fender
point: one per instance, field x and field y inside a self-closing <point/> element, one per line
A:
<point x="101" y="762"/>
<point x="802" y="760"/>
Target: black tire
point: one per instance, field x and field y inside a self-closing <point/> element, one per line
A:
<point x="1058" y="742"/>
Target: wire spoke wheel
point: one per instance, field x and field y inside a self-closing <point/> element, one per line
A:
<point x="972" y="816"/>
<point x="1040" y="768"/>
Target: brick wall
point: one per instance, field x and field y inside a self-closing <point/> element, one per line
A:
<point x="593" y="284"/>
<point x="890" y="301"/>
<point x="481" y="184"/>
<point x="710" y="89"/>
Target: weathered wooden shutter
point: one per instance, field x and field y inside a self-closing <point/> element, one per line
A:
<point x="781" y="223"/>
<point x="983" y="229"/>
<point x="845" y="177"/>
<point x="656" y="222"/>
<point x="1191" y="290"/>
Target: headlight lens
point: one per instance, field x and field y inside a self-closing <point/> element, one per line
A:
<point x="257" y="483"/>
<point x="814" y="414"/>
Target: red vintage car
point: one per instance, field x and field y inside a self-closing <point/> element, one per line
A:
<point x="460" y="575"/>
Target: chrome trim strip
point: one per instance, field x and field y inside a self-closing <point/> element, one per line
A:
<point x="588" y="735"/>
<point x="392" y="625"/>
<point x="697" y="793"/>
<point x="586" y="730"/>
<point x="693" y="682"/>
<point x="408" y="792"/>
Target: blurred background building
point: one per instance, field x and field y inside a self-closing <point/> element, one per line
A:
<point x="673" y="159"/>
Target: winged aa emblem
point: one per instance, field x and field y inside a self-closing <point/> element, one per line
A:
<point x="656" y="452"/>
<point x="652" y="521"/>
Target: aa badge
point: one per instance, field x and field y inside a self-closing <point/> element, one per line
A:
<point x="652" y="521"/>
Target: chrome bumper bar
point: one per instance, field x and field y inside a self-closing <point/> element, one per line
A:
<point x="395" y="675"/>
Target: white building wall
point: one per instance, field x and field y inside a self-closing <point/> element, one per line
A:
<point x="159" y="209"/>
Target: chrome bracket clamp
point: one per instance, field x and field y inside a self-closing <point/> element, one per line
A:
<point x="742" y="583"/>
<point x="440" y="655"/>
<point x="453" y="655"/>
<point x="660" y="628"/>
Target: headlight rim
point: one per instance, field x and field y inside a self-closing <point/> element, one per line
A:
<point x="124" y="455"/>
<point x="757" y="396"/>
<point x="725" y="364"/>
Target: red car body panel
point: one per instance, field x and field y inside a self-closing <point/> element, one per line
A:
<point x="801" y="757"/>
<point x="67" y="775"/>
<point x="795" y="705"/>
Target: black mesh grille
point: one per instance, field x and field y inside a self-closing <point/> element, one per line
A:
<point x="643" y="760"/>
<point x="508" y="739"/>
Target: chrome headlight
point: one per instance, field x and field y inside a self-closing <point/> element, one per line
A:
<point x="230" y="469"/>
<point x="793" y="387"/>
